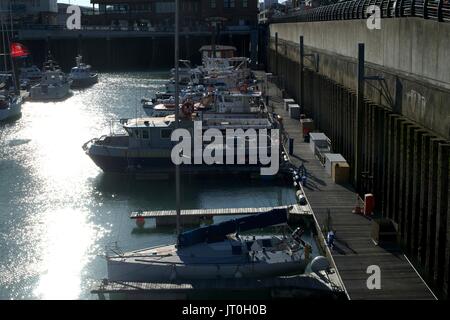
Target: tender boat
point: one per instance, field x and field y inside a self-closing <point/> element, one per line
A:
<point x="217" y="251"/>
<point x="82" y="75"/>
<point x="54" y="84"/>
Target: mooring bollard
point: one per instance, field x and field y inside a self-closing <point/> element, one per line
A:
<point x="291" y="146"/>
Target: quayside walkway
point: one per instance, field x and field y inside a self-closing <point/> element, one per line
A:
<point x="354" y="249"/>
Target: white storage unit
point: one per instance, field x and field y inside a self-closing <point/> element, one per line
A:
<point x="331" y="159"/>
<point x="317" y="139"/>
<point x="294" y="111"/>
<point x="287" y="102"/>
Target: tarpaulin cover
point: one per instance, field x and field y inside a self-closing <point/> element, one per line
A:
<point x="218" y="232"/>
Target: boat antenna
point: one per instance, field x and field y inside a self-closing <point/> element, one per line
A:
<point x="177" y="166"/>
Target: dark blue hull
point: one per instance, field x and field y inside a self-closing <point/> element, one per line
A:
<point x="163" y="165"/>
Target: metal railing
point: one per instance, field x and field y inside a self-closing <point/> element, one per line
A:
<point x="438" y="10"/>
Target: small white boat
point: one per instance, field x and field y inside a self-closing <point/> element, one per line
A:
<point x="217" y="251"/>
<point x="82" y="75"/>
<point x="54" y="84"/>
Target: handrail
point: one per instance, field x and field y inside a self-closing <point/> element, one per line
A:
<point x="437" y="10"/>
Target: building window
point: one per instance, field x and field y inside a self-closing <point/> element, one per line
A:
<point x="166" y="133"/>
<point x="213" y="3"/>
<point x="228" y="3"/>
<point x="145" y="134"/>
<point x="165" y="7"/>
<point x="244" y="3"/>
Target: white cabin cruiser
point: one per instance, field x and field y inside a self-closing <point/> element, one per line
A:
<point x="82" y="75"/>
<point x="217" y="251"/>
<point x="54" y="84"/>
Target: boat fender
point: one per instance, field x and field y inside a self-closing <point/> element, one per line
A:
<point x="302" y="200"/>
<point x="320" y="263"/>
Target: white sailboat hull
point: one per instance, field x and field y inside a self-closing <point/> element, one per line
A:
<point x="148" y="272"/>
<point x="203" y="261"/>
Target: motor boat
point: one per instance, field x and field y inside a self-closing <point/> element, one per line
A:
<point x="217" y="251"/>
<point x="82" y="75"/>
<point x="54" y="84"/>
<point x="145" y="145"/>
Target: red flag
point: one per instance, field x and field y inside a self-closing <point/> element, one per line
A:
<point x="19" y="50"/>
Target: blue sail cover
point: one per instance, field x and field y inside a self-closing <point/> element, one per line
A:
<point x="218" y="232"/>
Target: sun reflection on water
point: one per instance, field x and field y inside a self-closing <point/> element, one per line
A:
<point x="57" y="209"/>
<point x="66" y="245"/>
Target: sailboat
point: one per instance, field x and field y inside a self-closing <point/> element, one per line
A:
<point x="217" y="251"/>
<point x="10" y="99"/>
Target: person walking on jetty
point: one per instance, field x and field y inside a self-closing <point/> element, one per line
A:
<point x="330" y="239"/>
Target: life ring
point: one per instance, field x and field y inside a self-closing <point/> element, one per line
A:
<point x="187" y="108"/>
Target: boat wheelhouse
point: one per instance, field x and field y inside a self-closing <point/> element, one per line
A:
<point x="82" y="75"/>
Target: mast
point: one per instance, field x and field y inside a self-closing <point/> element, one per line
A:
<point x="177" y="111"/>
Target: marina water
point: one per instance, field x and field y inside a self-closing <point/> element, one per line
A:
<point x="58" y="211"/>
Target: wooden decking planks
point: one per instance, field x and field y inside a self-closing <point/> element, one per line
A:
<point x="292" y="209"/>
<point x="325" y="283"/>
<point x="354" y="250"/>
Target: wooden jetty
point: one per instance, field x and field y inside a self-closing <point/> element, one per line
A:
<point x="195" y="216"/>
<point x="321" y="285"/>
<point x="354" y="250"/>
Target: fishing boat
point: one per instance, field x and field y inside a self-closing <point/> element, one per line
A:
<point x="82" y="75"/>
<point x="54" y="84"/>
<point x="217" y="251"/>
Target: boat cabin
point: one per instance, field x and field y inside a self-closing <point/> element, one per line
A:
<point x="217" y="51"/>
<point x="239" y="102"/>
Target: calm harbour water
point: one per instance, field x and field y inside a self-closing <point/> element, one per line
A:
<point x="58" y="211"/>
